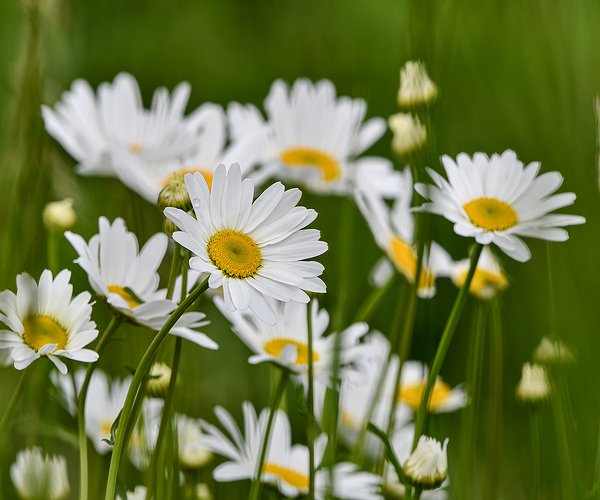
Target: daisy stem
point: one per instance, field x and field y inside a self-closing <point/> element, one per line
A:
<point x="12" y="404"/>
<point x="83" y="448"/>
<point x="311" y="427"/>
<point x="167" y="412"/>
<point x="276" y="395"/>
<point x="391" y="454"/>
<point x="535" y="453"/>
<point x="138" y="379"/>
<point x="369" y="306"/>
<point x="52" y="248"/>
<point x="345" y="262"/>
<point x="445" y="341"/>
<point x="175" y="259"/>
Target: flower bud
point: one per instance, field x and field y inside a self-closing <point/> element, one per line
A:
<point x="534" y="387"/>
<point x="175" y="194"/>
<point x="192" y="452"/>
<point x="415" y="86"/>
<point x="552" y="352"/>
<point x="427" y="465"/>
<point x="59" y="216"/>
<point x="203" y="492"/>
<point x="159" y="380"/>
<point x="409" y="134"/>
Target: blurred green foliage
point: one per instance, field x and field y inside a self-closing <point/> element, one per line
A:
<point x="519" y="75"/>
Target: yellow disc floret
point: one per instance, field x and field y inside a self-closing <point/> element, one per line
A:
<point x="235" y="253"/>
<point x="40" y="330"/>
<point x="491" y="214"/>
<point x="292" y="477"/>
<point x="405" y="259"/>
<point x="128" y="297"/>
<point x="180" y="174"/>
<point x="411" y="395"/>
<point x="276" y="346"/>
<point x="327" y="165"/>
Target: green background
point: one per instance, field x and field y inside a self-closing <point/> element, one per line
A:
<point x="518" y="75"/>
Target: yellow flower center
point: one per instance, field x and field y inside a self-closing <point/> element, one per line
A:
<point x="179" y="175"/>
<point x="328" y="166"/>
<point x="290" y="476"/>
<point x="105" y="428"/>
<point x="128" y="297"/>
<point x="39" y="331"/>
<point x="348" y="420"/>
<point x="276" y="346"/>
<point x="491" y="214"/>
<point x="235" y="253"/>
<point x="484" y="282"/>
<point x="405" y="259"/>
<point x="411" y="394"/>
<point x="134" y="147"/>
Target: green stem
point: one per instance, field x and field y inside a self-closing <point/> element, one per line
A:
<point x="12" y="404"/>
<point x="566" y="463"/>
<point x="391" y="454"/>
<point x="445" y="341"/>
<point x="155" y="474"/>
<point x="276" y="396"/>
<point x="535" y="454"/>
<point x="345" y="263"/>
<point x="369" y="306"/>
<point x="311" y="427"/>
<point x="173" y="272"/>
<point x="52" y="248"/>
<point x="83" y="448"/>
<point x="138" y="378"/>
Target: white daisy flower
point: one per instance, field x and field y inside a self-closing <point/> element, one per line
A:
<point x="193" y="454"/>
<point x="534" y="386"/>
<point x="127" y="278"/>
<point x="393" y="230"/>
<point x="210" y="150"/>
<point x="253" y="250"/>
<point x="350" y="483"/>
<point x="427" y="465"/>
<point x="489" y="278"/>
<point x="314" y="138"/>
<point x="552" y="351"/>
<point x="286" y="342"/>
<point x="138" y="493"/>
<point x="286" y="466"/>
<point x="416" y="88"/>
<point x="144" y="436"/>
<point x="94" y="129"/>
<point x="496" y="200"/>
<point x="46" y="320"/>
<point x="36" y="475"/>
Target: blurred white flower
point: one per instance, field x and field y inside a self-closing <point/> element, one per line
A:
<point x="550" y="352"/>
<point x="37" y="476"/>
<point x="46" y="320"/>
<point x="314" y="138"/>
<point x="97" y="129"/>
<point x="416" y="88"/>
<point x="534" y="386"/>
<point x="254" y="250"/>
<point x="138" y="493"/>
<point x="427" y="465"/>
<point x="409" y="134"/>
<point x="496" y="200"/>
<point x="193" y="454"/>
<point x="59" y="216"/>
<point x="127" y="278"/>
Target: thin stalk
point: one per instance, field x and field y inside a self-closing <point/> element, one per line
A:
<point x="535" y="454"/>
<point x="175" y="259"/>
<point x="12" y="404"/>
<point x="345" y="262"/>
<point x="170" y="396"/>
<point x="83" y="448"/>
<point x="369" y="306"/>
<point x="276" y="396"/>
<point x="310" y="405"/>
<point x="138" y="378"/>
<point x="391" y="454"/>
<point x="52" y="248"/>
<point x="445" y="341"/>
<point x="562" y="435"/>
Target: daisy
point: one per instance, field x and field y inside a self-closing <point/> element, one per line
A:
<point x="145" y="433"/>
<point x="496" y="200"/>
<point x="193" y="454"/>
<point x="127" y="278"/>
<point x="36" y="475"/>
<point x="350" y="483"/>
<point x="95" y="129"/>
<point x="314" y="138"/>
<point x="44" y="319"/>
<point x="393" y="230"/>
<point x="149" y="178"/>
<point x="286" y="466"/>
<point x="286" y="342"/>
<point x="253" y="250"/>
<point x="489" y="278"/>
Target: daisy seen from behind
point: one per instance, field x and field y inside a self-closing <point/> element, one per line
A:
<point x="254" y="250"/>
<point x="126" y="277"/>
<point x="44" y="319"/>
<point x="313" y="137"/>
<point x="496" y="200"/>
<point x="36" y="475"/>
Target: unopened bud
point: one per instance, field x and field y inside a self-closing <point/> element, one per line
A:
<point x="59" y="216"/>
<point x="534" y="387"/>
<point x="415" y="86"/>
<point x="159" y="380"/>
<point x="552" y="352"/>
<point x="409" y="134"/>
<point x="427" y="465"/>
<point x="175" y="194"/>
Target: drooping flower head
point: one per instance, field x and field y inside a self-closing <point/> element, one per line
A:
<point x="552" y="352"/>
<point x="44" y="319"/>
<point x="37" y="476"/>
<point x="314" y="138"/>
<point x="534" y="386"/>
<point x="95" y="128"/>
<point x="416" y="88"/>
<point x="496" y="201"/>
<point x="254" y="250"/>
<point x="127" y="278"/>
<point x="59" y="216"/>
<point x="193" y="454"/>
<point x="409" y="134"/>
